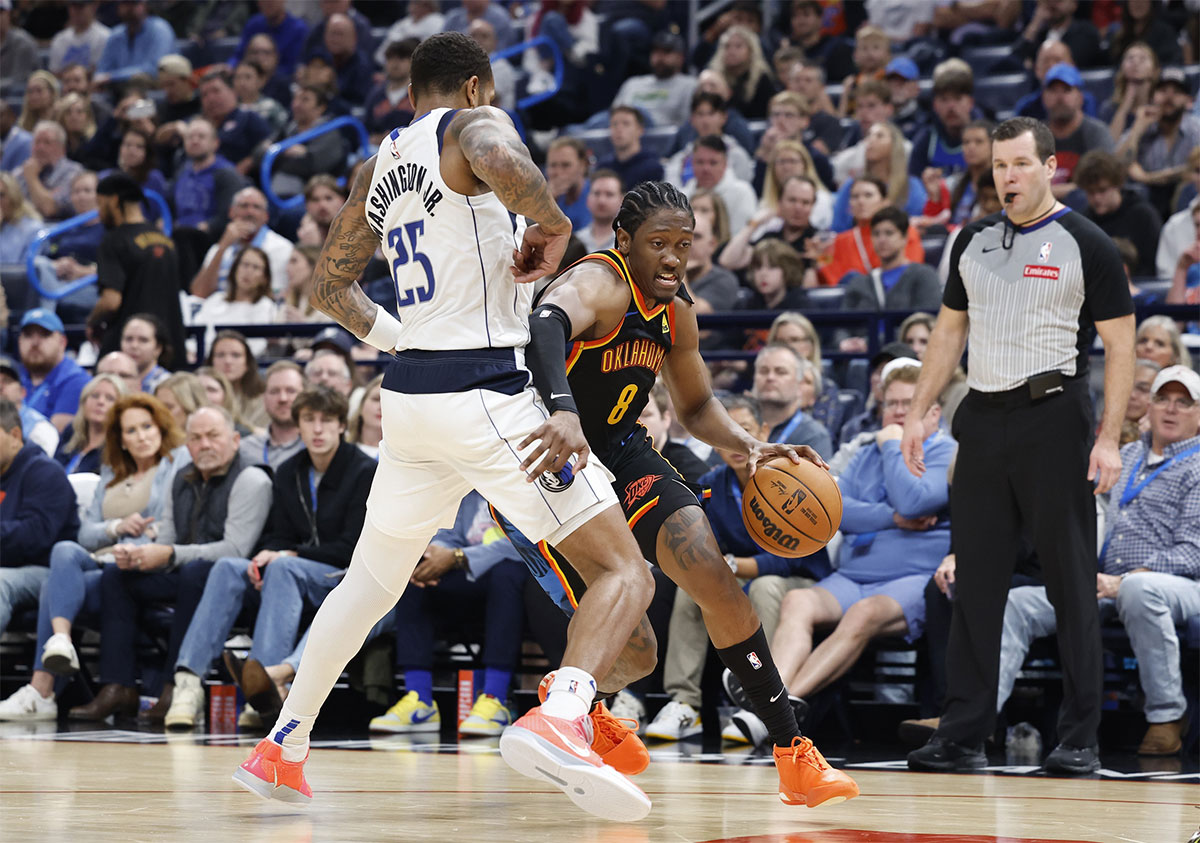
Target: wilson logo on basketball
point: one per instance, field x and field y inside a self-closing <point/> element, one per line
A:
<point x="638" y="488"/>
<point x="770" y="529"/>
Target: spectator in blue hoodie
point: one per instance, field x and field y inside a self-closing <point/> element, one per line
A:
<point x="37" y="509"/>
<point x="896" y="531"/>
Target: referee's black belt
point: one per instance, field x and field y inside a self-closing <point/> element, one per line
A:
<point x="1033" y="391"/>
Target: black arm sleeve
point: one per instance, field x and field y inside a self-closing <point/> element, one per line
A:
<point x="545" y="356"/>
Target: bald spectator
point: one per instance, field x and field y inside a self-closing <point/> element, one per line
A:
<point x="1162" y="137"/>
<point x="82" y="40"/>
<point x="329" y="368"/>
<point x="1048" y="55"/>
<point x="121" y="365"/>
<point x="1055" y="20"/>
<point x="18" y="50"/>
<point x="329" y="8"/>
<point x="666" y="92"/>
<point x="285" y="30"/>
<point x="135" y="45"/>
<point x="204" y="187"/>
<point x="460" y="19"/>
<point x="1075" y="134"/>
<point x="247" y="226"/>
<point x="45" y="177"/>
<point x="352" y="65"/>
<point x="388" y="106"/>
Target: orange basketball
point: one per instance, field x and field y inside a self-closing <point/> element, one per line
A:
<point x="791" y="510"/>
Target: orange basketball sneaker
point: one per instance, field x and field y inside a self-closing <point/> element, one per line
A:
<point x="559" y="752"/>
<point x="805" y="777"/>
<point x="266" y="774"/>
<point x="615" y="742"/>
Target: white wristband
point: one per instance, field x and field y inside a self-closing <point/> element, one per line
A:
<point x="385" y="332"/>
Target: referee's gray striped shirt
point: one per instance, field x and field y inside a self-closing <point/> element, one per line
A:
<point x="1032" y="295"/>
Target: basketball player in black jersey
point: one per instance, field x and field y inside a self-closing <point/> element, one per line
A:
<point x="619" y="318"/>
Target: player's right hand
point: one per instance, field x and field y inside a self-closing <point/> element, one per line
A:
<point x="560" y="436"/>
<point x="912" y="446"/>
<point x="539" y="255"/>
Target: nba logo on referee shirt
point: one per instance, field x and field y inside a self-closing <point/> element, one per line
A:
<point x="1044" y="252"/>
<point x="755" y="661"/>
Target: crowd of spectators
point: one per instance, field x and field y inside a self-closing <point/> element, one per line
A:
<point x="831" y="150"/>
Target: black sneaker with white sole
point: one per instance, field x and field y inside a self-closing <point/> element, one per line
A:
<point x="738" y="696"/>
<point x="1072" y="760"/>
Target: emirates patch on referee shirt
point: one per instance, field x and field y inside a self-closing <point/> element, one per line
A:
<point x="1050" y="273"/>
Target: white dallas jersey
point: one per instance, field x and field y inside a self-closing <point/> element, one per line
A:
<point x="450" y="254"/>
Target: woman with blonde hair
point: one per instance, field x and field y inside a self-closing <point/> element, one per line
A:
<point x="19" y="221"/>
<point x="365" y="425"/>
<point x="83" y="439"/>
<point x="182" y="394"/>
<point x="41" y="93"/>
<point x="74" y="113"/>
<point x="1158" y="339"/>
<point x="135" y="479"/>
<point x="886" y="160"/>
<point x="220" y="393"/>
<point x="796" y="332"/>
<point x="232" y="356"/>
<point x="739" y="60"/>
<point x="791" y="158"/>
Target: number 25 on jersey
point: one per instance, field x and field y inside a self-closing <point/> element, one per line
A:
<point x="411" y="231"/>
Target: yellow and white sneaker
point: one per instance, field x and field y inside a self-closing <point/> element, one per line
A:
<point x="489" y="717"/>
<point x="408" y="715"/>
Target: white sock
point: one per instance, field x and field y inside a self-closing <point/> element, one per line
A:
<point x="570" y="695"/>
<point x="291" y="732"/>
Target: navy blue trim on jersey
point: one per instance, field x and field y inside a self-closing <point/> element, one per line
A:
<point x="1025" y="229"/>
<point x="482" y="272"/>
<point x="442" y="124"/>
<point x="417" y="372"/>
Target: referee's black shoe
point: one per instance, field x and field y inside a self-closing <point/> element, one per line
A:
<point x="943" y="756"/>
<point x="1072" y="760"/>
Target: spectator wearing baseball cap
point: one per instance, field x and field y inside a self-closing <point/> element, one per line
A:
<point x="903" y="78"/>
<point x="52" y="381"/>
<point x="1162" y="136"/>
<point x="869" y="420"/>
<point x="1075" y="134"/>
<point x="35" y="427"/>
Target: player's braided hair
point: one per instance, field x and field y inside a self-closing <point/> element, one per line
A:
<point x="646" y="198"/>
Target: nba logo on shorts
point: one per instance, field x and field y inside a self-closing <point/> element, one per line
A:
<point x="1044" y="252"/>
<point x="755" y="661"/>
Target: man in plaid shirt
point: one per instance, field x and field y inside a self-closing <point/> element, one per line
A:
<point x="1149" y="563"/>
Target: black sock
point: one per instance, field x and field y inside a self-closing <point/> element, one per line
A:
<point x="752" y="664"/>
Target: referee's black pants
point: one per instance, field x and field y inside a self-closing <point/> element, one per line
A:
<point x="1023" y="463"/>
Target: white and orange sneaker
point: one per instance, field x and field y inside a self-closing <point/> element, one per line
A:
<point x="559" y="752"/>
<point x="266" y="774"/>
<point x="615" y="739"/>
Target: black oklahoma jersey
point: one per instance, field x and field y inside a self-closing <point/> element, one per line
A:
<point x="611" y="377"/>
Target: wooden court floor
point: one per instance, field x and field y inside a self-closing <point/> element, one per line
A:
<point x="84" y="789"/>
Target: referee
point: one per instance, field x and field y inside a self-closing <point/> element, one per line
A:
<point x="1026" y="287"/>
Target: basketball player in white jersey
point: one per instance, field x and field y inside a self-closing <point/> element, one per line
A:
<point x="446" y="198"/>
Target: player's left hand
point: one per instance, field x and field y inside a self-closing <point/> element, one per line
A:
<point x="763" y="452"/>
<point x="560" y="436"/>
<point x="1104" y="466"/>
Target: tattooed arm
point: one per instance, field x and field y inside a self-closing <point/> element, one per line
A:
<point x="493" y="151"/>
<point x="346" y="252"/>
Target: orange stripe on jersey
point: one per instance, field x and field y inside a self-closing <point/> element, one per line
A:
<point x="671" y="320"/>
<point x="576" y="350"/>
<point x="642" y="510"/>
<point x="549" y="557"/>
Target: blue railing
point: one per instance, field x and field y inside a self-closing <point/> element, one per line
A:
<point x="276" y="149"/>
<point x="519" y="49"/>
<point x="47" y="234"/>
